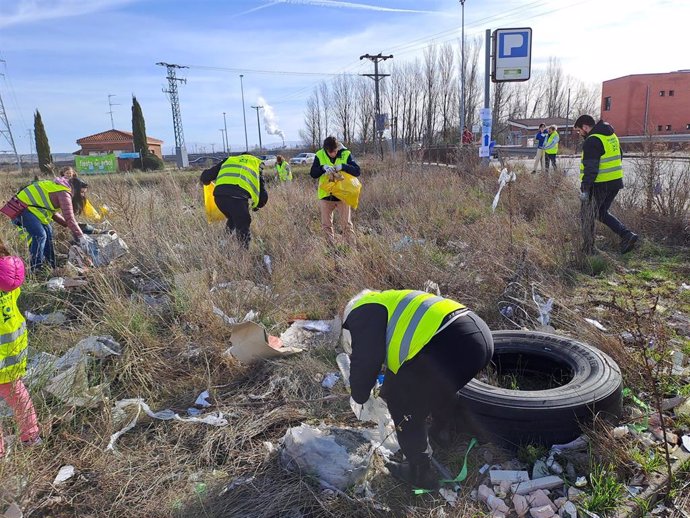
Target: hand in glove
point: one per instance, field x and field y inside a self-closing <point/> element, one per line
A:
<point x="584" y="195"/>
<point x="338" y="167"/>
<point x="328" y="169"/>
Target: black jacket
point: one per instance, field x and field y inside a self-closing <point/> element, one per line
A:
<point x="367" y="325"/>
<point x="592" y="150"/>
<point x="351" y="167"/>
<point x="233" y="191"/>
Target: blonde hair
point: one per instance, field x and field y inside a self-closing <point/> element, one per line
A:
<point x="67" y="169"/>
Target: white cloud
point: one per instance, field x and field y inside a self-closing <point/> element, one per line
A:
<point x="351" y="5"/>
<point x="31" y="11"/>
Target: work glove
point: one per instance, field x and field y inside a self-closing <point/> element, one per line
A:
<point x="328" y="169"/>
<point x="338" y="167"/>
<point x="584" y="195"/>
<point x="84" y="243"/>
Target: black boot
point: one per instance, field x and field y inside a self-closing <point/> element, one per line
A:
<point x="628" y="242"/>
<point x="439" y="436"/>
<point x="418" y="474"/>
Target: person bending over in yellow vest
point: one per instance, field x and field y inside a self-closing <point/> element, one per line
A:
<point x="13" y="343"/>
<point x="431" y="347"/>
<point x="283" y="170"/>
<point x="43" y="199"/>
<point x="239" y="184"/>
<point x="601" y="177"/>
<point x="328" y="162"/>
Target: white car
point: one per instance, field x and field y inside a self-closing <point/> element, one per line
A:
<point x="303" y="158"/>
<point x="268" y="160"/>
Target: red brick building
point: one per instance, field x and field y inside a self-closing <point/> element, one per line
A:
<point x="115" y="141"/>
<point x="654" y="104"/>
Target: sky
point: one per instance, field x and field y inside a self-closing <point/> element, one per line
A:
<point x="65" y="57"/>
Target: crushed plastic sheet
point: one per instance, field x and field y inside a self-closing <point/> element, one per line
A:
<point x="139" y="405"/>
<point x="64" y="474"/>
<point x="503" y="179"/>
<point x="55" y="319"/>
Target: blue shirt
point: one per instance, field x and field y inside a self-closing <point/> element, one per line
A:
<point x="541" y="137"/>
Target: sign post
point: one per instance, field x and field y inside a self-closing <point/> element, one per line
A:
<point x="485" y="144"/>
<point x="512" y="55"/>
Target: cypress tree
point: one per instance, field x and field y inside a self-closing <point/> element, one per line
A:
<point x="45" y="159"/>
<point x="148" y="160"/>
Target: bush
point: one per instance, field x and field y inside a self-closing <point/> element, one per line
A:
<point x="151" y="162"/>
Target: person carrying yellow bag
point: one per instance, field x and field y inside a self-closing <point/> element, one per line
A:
<point x="330" y="163"/>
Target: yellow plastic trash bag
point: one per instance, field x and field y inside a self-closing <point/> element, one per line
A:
<point x="91" y="212"/>
<point x="212" y="212"/>
<point x="346" y="190"/>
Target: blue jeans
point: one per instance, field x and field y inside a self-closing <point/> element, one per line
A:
<point x="41" y="246"/>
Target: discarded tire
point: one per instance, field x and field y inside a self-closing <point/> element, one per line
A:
<point x="512" y="417"/>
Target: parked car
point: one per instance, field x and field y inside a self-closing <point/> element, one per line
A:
<point x="303" y="158"/>
<point x="268" y="160"/>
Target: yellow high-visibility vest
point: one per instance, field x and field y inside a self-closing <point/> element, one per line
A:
<point x="554" y="149"/>
<point x="37" y="197"/>
<point x="324" y="159"/>
<point x="13" y="338"/>
<point x="284" y="172"/>
<point x="243" y="171"/>
<point x="610" y="163"/>
<point x="413" y="319"/>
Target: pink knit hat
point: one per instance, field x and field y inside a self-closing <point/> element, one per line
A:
<point x="11" y="273"/>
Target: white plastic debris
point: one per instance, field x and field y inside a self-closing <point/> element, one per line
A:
<point x="581" y="443"/>
<point x="330" y="380"/>
<point x="268" y="264"/>
<point x="580" y="482"/>
<point x="450" y="496"/>
<point x="596" y="324"/>
<point x="686" y="442"/>
<point x="13" y="511"/>
<point x="64" y="474"/>
<point x="56" y="284"/>
<point x="201" y="399"/>
<point x="97" y="346"/>
<point x="56" y="318"/>
<point x="432" y="287"/>
<point x="503" y="179"/>
<point x="337" y="456"/>
<point x="139" y="405"/>
<point x="620" y="431"/>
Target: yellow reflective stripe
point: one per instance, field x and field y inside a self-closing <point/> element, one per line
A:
<point x="13" y="360"/>
<point x="419" y="313"/>
<point x="11" y="337"/>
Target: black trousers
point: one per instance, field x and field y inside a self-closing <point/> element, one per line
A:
<point x="239" y="219"/>
<point x="550" y="158"/>
<point x="427" y="384"/>
<point x="597" y="208"/>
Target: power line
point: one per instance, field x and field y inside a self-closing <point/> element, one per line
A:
<point x="6" y="131"/>
<point x="376" y="76"/>
<point x="267" y="72"/>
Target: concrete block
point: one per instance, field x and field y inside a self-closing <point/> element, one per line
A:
<point x="513" y="476"/>
<point x="541" y="512"/>
<point x="496" y="504"/>
<point x="484" y="492"/>
<point x="523" y="488"/>
<point x="568" y="510"/>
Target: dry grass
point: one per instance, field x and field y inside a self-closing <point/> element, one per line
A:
<point x="173" y="353"/>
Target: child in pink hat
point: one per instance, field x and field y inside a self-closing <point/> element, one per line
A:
<point x="13" y="342"/>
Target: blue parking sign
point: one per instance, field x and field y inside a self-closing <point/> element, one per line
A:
<point x="512" y="54"/>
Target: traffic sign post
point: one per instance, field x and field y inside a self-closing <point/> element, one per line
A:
<point x="512" y="55"/>
<point x="484" y="147"/>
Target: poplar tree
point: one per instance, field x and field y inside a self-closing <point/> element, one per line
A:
<point x="147" y="159"/>
<point x="45" y="159"/>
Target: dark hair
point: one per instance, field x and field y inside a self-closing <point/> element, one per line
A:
<point x="542" y="125"/>
<point x="330" y="143"/>
<point x="78" y="200"/>
<point x="584" y="119"/>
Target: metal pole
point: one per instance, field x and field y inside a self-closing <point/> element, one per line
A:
<point x="462" y="72"/>
<point x="222" y="132"/>
<point x="31" y="145"/>
<point x="225" y="124"/>
<point x="567" y="115"/>
<point x="258" y="124"/>
<point x="487" y="70"/>
<point x="244" y="116"/>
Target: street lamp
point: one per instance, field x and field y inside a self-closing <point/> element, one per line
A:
<point x="225" y="124"/>
<point x="244" y="116"/>
<point x="222" y="134"/>
<point x="462" y="71"/>
<point x="258" y="124"/>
